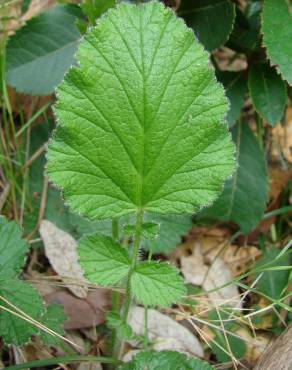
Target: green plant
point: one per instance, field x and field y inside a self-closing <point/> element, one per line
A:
<point x="125" y="144"/>
<point x="141" y="145"/>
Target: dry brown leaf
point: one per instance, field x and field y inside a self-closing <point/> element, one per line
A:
<point x="213" y="242"/>
<point x="193" y="267"/>
<point x="282" y="138"/>
<point x="255" y="347"/>
<point x="278" y="180"/>
<point x="82" y="313"/>
<point x="10" y="12"/>
<point x="61" y="250"/>
<point x="225" y="59"/>
<point x="238" y="259"/>
<point x="217" y="276"/>
<point x="166" y="333"/>
<point x="210" y="277"/>
<point x="209" y="239"/>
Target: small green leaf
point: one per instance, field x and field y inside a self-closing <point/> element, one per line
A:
<point x="205" y="17"/>
<point x="244" y="197"/>
<point x="166" y="360"/>
<point x="13" y="329"/>
<point x="103" y="260"/>
<point x="268" y="92"/>
<point x="235" y="88"/>
<point x="149" y="230"/>
<point x="95" y="8"/>
<point x="277" y="31"/>
<point x="53" y="318"/>
<point x="12" y="249"/>
<point x="273" y="282"/>
<point x="157" y="284"/>
<point x="115" y="321"/>
<point x="124" y="140"/>
<point x="172" y="228"/>
<point x="40" y="52"/>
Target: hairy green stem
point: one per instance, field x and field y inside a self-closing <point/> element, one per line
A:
<point x="117" y="346"/>
<point x="146" y="334"/>
<point x="134" y="259"/>
<point x="137" y="239"/>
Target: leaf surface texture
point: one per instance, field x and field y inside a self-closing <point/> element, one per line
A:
<point x="103" y="260"/>
<point x="140" y="119"/>
<point x="156" y="284"/>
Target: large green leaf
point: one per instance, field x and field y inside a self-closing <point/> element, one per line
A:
<point x="166" y="360"/>
<point x="141" y="119"/>
<point x="277" y="31"/>
<point x="268" y="92"/>
<point x="236" y="88"/>
<point x="12" y="249"/>
<point x="156" y="283"/>
<point x="244" y="196"/>
<point x="272" y="282"/>
<point x="103" y="260"/>
<point x="13" y="329"/>
<point x="172" y="228"/>
<point x="205" y="17"/>
<point x="40" y="52"/>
